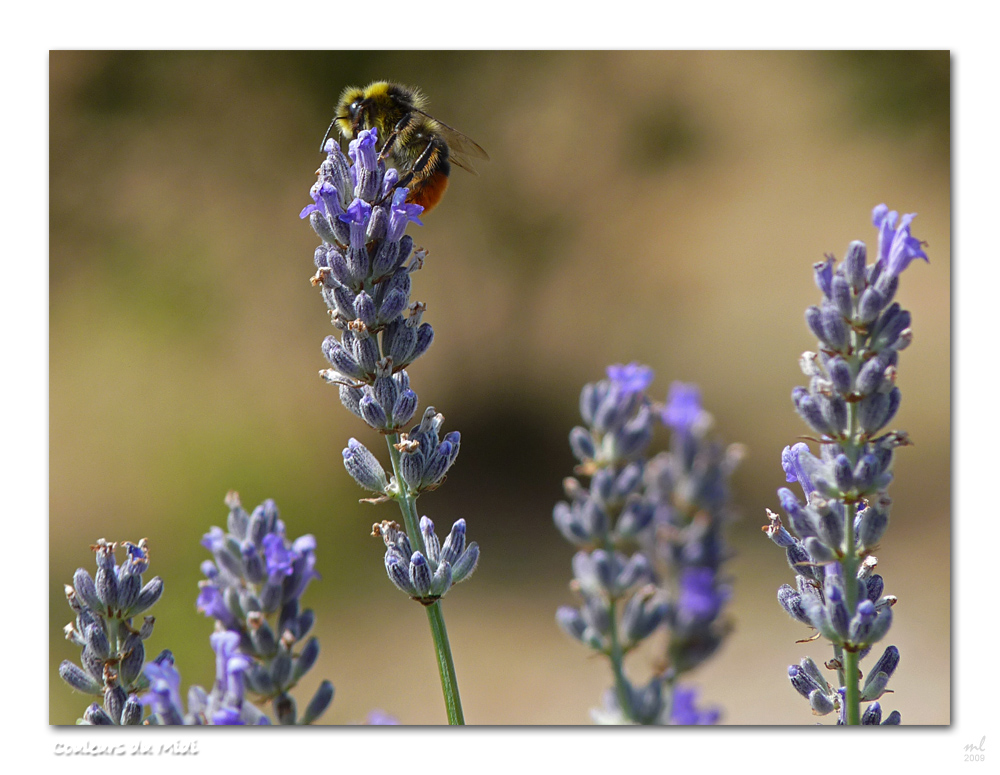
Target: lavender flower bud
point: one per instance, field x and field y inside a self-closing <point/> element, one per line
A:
<point x="834" y="410"/>
<point x="872" y="524"/>
<point x="823" y="275"/>
<point x="86" y="590"/>
<point x="873" y="412"/>
<point x="425" y="335"/>
<point x="840" y="295"/>
<point x="886" y="664"/>
<point x="872" y="715"/>
<point x="319" y="703"/>
<point x="855" y="265"/>
<point x="814" y="319"/>
<point x="830" y="522"/>
<point x="819" y="552"/>
<point x="262" y="637"/>
<point x="364" y="468"/>
<point x="341" y="359"/>
<point x="442" y="580"/>
<point x="571" y="621"/>
<point x="874" y="586"/>
<point x="364" y="307"/>
<point x="404" y="408"/>
<point x="871" y="375"/>
<point x="431" y="543"/>
<point x="889" y="331"/>
<point x="862" y="622"/>
<point x="840" y="375"/>
<point x="776" y="531"/>
<point x="582" y="444"/>
<point x="871" y="303"/>
<point x="114" y="702"/>
<point x="362" y="345"/>
<point x="635" y="517"/>
<point x="843" y="476"/>
<point x="306" y="659"/>
<point x="880" y="626"/>
<point x="821" y="703"/>
<point x="799" y="559"/>
<point x="893" y="406"/>
<point x="79" y="679"/>
<point x="836" y="607"/>
<point x="642" y="614"/>
<point x="97" y="716"/>
<point x="791" y="601"/>
<point x="803" y="682"/>
<point x="875" y="687"/>
<point x="420" y="574"/>
<point x="399" y="573"/>
<point x="810" y="411"/>
<point x="340" y="272"/>
<point x="834" y="328"/>
<point x="281" y="669"/>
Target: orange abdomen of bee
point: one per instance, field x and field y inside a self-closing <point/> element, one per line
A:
<point x="428" y="191"/>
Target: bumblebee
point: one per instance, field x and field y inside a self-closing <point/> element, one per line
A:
<point x="417" y="144"/>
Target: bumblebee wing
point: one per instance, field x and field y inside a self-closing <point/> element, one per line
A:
<point x="459" y="161"/>
<point x="462" y="149"/>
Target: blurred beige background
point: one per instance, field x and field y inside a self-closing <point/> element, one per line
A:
<point x="656" y="206"/>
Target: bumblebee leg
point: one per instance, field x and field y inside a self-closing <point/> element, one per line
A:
<point x="390" y="141"/>
<point x="431" y="150"/>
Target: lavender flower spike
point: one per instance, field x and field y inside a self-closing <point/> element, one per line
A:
<point x="364" y="267"/>
<point x="851" y="398"/>
<point x="112" y="654"/>
<point x="671" y="509"/>
<point x="225" y="705"/>
<point x="254" y="583"/>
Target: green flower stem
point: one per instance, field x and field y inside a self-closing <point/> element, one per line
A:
<point x="850" y="563"/>
<point x="617" y="665"/>
<point x="852" y="696"/>
<point x="407" y="502"/>
<point x="615" y="653"/>
<point x="838" y="657"/>
<point x="671" y="686"/>
<point x="446" y="665"/>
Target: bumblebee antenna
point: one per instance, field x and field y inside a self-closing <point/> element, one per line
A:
<point x="326" y="137"/>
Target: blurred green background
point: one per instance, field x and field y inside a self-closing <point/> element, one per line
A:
<point x="664" y="207"/>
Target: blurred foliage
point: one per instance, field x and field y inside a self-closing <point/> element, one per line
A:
<point x="657" y="206"/>
<point x="667" y="134"/>
<point x="899" y="92"/>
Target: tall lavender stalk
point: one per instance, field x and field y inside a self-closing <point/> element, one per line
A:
<point x="649" y="534"/>
<point x="364" y="266"/>
<point x="851" y="398"/>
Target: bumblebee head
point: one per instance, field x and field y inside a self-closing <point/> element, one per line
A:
<point x="351" y="112"/>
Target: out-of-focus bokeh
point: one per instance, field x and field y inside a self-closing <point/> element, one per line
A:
<point x="664" y="207"/>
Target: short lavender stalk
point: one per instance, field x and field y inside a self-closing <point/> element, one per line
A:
<point x="851" y="398"/>
<point x="112" y="651"/>
<point x="253" y="589"/>
<point x="669" y="511"/>
<point x="689" y="486"/>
